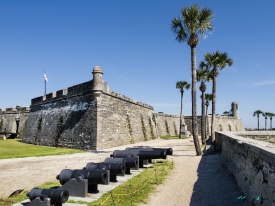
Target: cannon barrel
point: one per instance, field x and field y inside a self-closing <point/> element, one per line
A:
<point x="114" y="168"/>
<point x="169" y="151"/>
<point x="93" y="176"/>
<point x="143" y="155"/>
<point x="56" y="195"/>
<point x="128" y="161"/>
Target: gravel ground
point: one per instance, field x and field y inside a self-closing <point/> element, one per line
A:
<point x="195" y="180"/>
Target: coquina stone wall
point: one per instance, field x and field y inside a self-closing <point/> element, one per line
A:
<point x="90" y="116"/>
<point x="252" y="162"/>
<point x="167" y="125"/>
<point x="66" y="118"/>
<point x="121" y="120"/>
<point x="222" y="123"/>
<point x="8" y="118"/>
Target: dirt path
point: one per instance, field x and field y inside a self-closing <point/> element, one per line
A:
<point x="194" y="181"/>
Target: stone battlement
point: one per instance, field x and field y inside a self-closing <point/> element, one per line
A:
<point x="91" y="116"/>
<point x="82" y="89"/>
<point x="14" y="109"/>
<point x="76" y="90"/>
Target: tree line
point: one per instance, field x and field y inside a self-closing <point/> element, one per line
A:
<point x="194" y="23"/>
<point x="265" y="115"/>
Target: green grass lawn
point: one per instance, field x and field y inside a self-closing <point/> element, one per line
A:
<point x="172" y="137"/>
<point x="12" y="148"/>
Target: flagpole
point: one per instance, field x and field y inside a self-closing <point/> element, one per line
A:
<point x="45" y="79"/>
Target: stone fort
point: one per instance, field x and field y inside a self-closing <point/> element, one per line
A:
<point x="91" y="116"/>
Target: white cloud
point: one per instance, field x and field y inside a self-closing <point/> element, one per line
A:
<point x="263" y="83"/>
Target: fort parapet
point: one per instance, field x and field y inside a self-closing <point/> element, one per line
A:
<point x="252" y="163"/>
<point x="91" y="116"/>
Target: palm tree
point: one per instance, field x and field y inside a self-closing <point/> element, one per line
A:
<point x="208" y="97"/>
<point x="265" y="115"/>
<point x="194" y="22"/>
<point x="271" y="115"/>
<point x="202" y="76"/>
<point x="181" y="85"/>
<point x="258" y="112"/>
<point x="216" y="60"/>
<point x="226" y="113"/>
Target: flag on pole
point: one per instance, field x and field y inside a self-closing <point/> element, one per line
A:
<point x="45" y="77"/>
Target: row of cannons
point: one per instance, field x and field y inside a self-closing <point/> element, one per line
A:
<point x="80" y="182"/>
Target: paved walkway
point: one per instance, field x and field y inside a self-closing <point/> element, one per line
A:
<point x="195" y="181"/>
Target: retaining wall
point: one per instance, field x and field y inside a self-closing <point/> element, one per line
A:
<point x="252" y="162"/>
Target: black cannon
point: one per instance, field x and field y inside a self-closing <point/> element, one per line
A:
<point x="143" y="155"/>
<point x="169" y="151"/>
<point x="43" y="197"/>
<point x="130" y="162"/>
<point x="93" y="177"/>
<point x="113" y="168"/>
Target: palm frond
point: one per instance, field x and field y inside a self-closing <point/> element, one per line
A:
<point x="208" y="97"/>
<point x="193" y="22"/>
<point x="257" y="112"/>
<point x="179" y="30"/>
<point x="205" y="21"/>
<point x="203" y="75"/>
<point x="218" y="60"/>
<point x="182" y="85"/>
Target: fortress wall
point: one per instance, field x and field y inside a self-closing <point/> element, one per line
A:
<point x="167" y="124"/>
<point x="252" y="163"/>
<point x="8" y="116"/>
<point x="75" y="118"/>
<point x="69" y="122"/>
<point x="222" y="123"/>
<point x="122" y="120"/>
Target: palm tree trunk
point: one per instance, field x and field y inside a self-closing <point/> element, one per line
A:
<point x="213" y="109"/>
<point x="206" y="123"/>
<point x="202" y="119"/>
<point x="265" y="123"/>
<point x="181" y="113"/>
<point x="270" y="122"/>
<point x="258" y="123"/>
<point x="194" y="102"/>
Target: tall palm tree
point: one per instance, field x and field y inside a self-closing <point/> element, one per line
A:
<point x="257" y="113"/>
<point x="194" y="22"/>
<point x="265" y="115"/>
<point x="181" y="85"/>
<point x="208" y="97"/>
<point x="202" y="76"/>
<point x="216" y="60"/>
<point x="270" y="116"/>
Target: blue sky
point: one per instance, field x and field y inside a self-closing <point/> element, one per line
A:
<point x="133" y="43"/>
